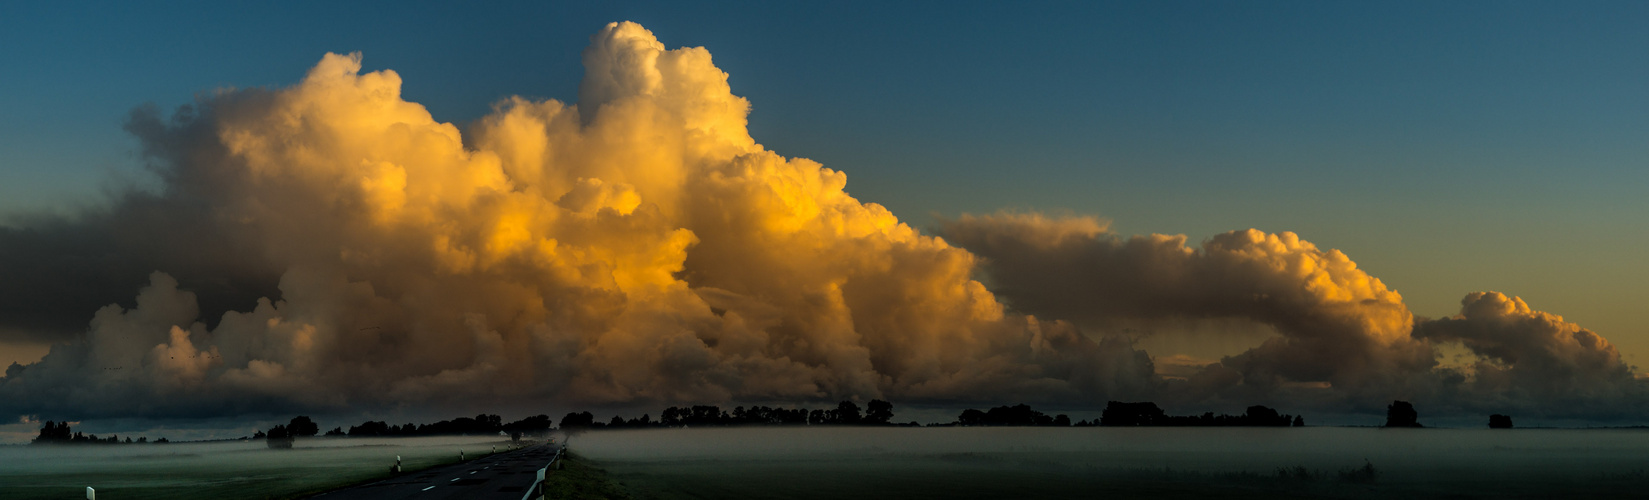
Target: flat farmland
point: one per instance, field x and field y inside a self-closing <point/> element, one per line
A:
<point x="970" y="463"/>
<point x="234" y="469"/>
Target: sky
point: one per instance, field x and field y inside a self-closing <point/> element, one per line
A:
<point x="1445" y="148"/>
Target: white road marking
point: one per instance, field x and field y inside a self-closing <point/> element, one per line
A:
<point x="453" y="479"/>
<point x="429" y="488"/>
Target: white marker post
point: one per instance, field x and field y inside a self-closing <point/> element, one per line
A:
<point x="540" y="484"/>
<point x="91" y="494"/>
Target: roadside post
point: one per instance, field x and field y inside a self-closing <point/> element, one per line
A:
<point x="538" y="485"/>
<point x="91" y="494"/>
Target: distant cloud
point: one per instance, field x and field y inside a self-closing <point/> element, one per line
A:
<point x="1340" y="329"/>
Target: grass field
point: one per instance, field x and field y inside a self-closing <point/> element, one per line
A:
<point x="969" y="463"/>
<point x="904" y="463"/>
<point x="577" y="479"/>
<point x="246" y="470"/>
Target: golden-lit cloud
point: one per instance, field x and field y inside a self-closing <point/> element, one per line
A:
<point x="636" y="246"/>
<point x="1342" y="333"/>
<point x="1337" y="323"/>
<point x="640" y="246"/>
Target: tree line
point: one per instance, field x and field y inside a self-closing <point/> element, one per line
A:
<point x="60" y="433"/>
<point x="1146" y="414"/>
<point x="875" y="413"/>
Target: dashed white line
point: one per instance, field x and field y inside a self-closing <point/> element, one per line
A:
<point x="429" y="488"/>
<point x="453" y="479"/>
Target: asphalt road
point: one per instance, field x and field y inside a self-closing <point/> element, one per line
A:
<point x="502" y="476"/>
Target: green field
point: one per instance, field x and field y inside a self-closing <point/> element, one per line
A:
<point x="970" y="463"/>
<point x="219" y="470"/>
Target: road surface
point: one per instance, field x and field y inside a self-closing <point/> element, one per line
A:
<point x="501" y="476"/>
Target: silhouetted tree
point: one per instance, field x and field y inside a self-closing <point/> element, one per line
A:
<point x="574" y="423"/>
<point x="1402" y="414"/>
<point x="878" y="412"/>
<point x="302" y="426"/>
<point x="1299" y="421"/>
<point x="1260" y="415"/>
<point x="54" y="433"/>
<point x="370" y="428"/>
<point x="846" y="413"/>
<point x="1498" y="421"/>
<point x="642" y="422"/>
<point x="1017" y="415"/>
<point x="336" y="431"/>
<point x="279" y="438"/>
<point x="534" y="425"/>
<point x="1122" y="414"/>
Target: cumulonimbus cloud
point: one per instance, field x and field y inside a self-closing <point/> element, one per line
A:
<point x="640" y="246"/>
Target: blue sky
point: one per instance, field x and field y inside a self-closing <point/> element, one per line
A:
<point x="1446" y="147"/>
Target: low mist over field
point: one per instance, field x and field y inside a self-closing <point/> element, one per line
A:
<point x="244" y="469"/>
<point x="1153" y="462"/>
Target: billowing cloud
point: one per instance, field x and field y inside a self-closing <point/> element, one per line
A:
<point x="1342" y="336"/>
<point x="1529" y="357"/>
<point x="330" y="245"/>
<point x="636" y="246"/>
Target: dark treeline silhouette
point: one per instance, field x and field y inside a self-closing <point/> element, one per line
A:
<point x="1147" y="414"/>
<point x="480" y="424"/>
<point x="877" y="412"/>
<point x="1498" y="421"/>
<point x="60" y="433"/>
<point x="1017" y="415"/>
<point x="280" y="437"/>
<point x="1402" y="414"/>
<point x="302" y="426"/>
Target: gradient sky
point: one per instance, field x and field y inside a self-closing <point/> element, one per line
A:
<point x="1447" y="148"/>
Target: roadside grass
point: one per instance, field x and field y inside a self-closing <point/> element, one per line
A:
<point x="578" y="479"/>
